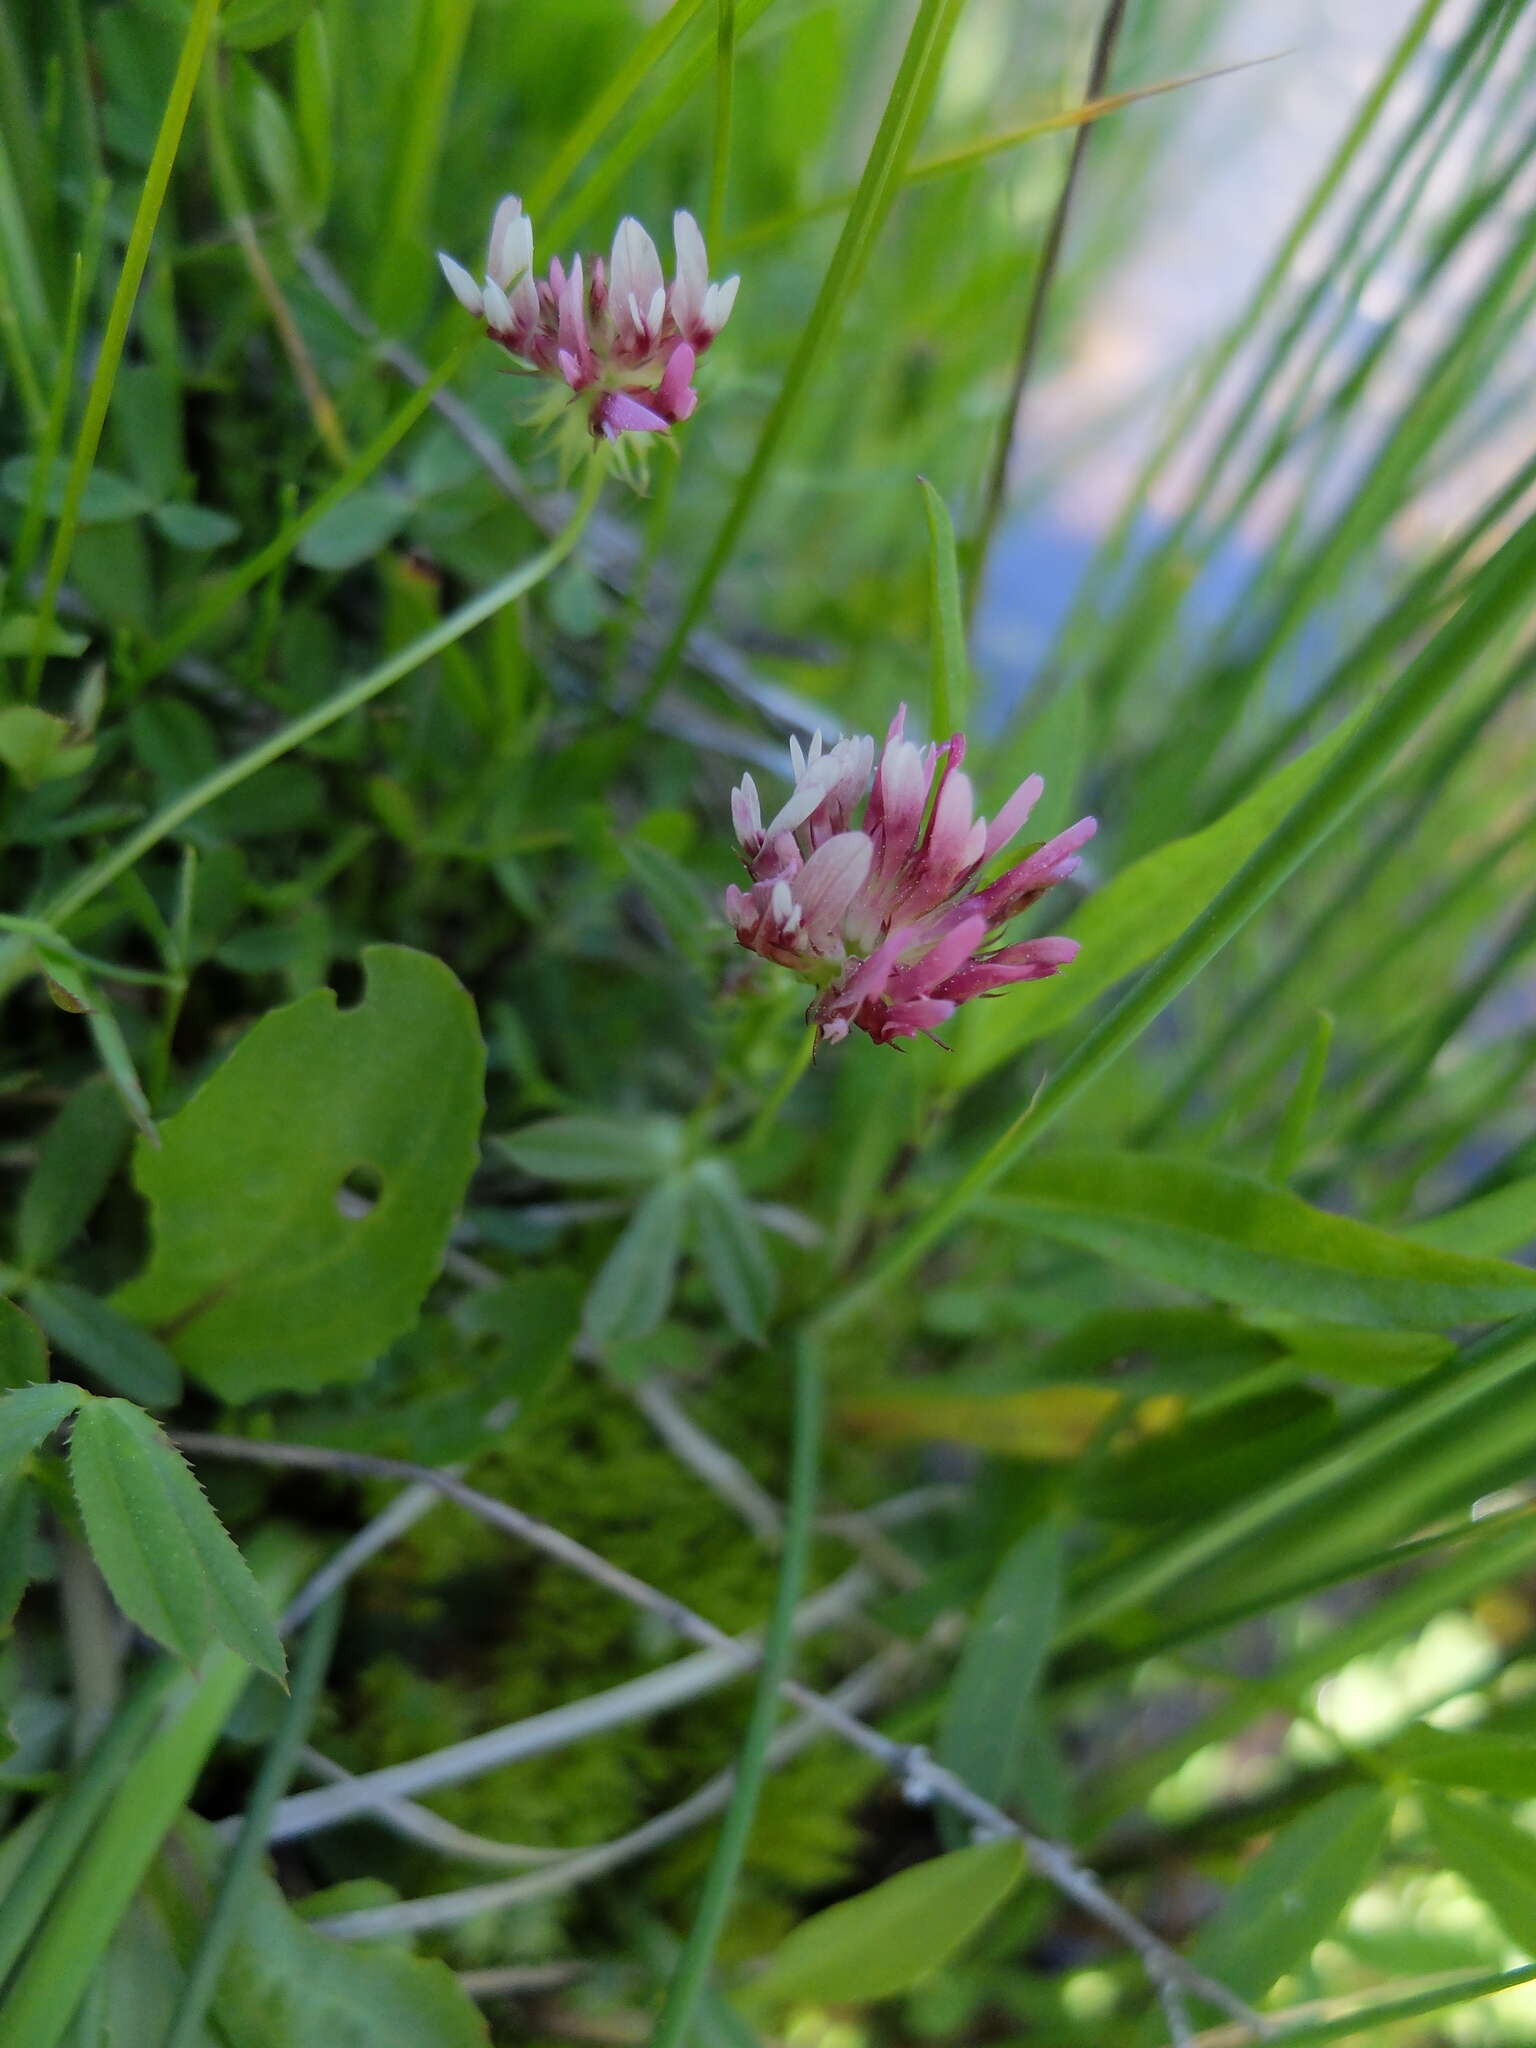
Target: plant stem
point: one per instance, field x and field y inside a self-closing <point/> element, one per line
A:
<point x="223" y="1922"/>
<point x="104" y="376"/>
<point x="350" y="697"/>
<point x="768" y="1114"/>
<point x="688" y="1981"/>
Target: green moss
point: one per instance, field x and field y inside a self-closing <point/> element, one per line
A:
<point x="460" y="1629"/>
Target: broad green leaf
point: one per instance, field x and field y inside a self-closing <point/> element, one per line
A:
<point x="1292" y="1894"/>
<point x="287" y="1985"/>
<point x="1368" y="1358"/>
<point x="634" y="1284"/>
<point x="18" y="636"/>
<point x="23" y="1351"/>
<point x="107" y="498"/>
<point x="731" y="1248"/>
<point x="197" y="528"/>
<point x="37" y="747"/>
<point x="1501" y="1764"/>
<point x="1504" y="1221"/>
<point x="597" y="1150"/>
<point x="894" y="1935"/>
<point x="27" y="1415"/>
<point x="1052" y="743"/>
<point x="1493" y="1855"/>
<point x="354" y="530"/>
<point x="81" y="1150"/>
<point x="1136" y="915"/>
<point x="946" y="620"/>
<point x="172" y="1566"/>
<point x="990" y="1718"/>
<point x="136" y="1536"/>
<point x="111" y="1347"/>
<point x="1221" y="1233"/>
<point x="261" y="1278"/>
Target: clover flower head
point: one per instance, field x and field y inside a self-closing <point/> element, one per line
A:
<point x="621" y="342"/>
<point x="887" y="914"/>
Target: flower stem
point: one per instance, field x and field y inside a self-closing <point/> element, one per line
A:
<point x="688" y="1981"/>
<point x="768" y="1114"/>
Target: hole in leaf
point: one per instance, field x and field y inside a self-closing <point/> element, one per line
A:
<point x="360" y="1191"/>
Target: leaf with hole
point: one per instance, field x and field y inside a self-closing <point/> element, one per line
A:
<point x="171" y="1565"/>
<point x="258" y="1278"/>
<point x="893" y="1936"/>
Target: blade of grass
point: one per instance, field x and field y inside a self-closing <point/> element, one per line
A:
<point x="244" y="1862"/>
<point x="1346" y="2019"/>
<point x="675" y="2024"/>
<point x="442" y="31"/>
<point x="906" y="110"/>
<point x="1006" y="439"/>
<point x="99" y="395"/>
<point x="51" y="1982"/>
<point x="967" y="156"/>
<point x="946" y="621"/>
<point x="74" y="1814"/>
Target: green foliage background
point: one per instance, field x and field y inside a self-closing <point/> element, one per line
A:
<point x="380" y="1077"/>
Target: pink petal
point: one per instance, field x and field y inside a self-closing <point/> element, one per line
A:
<point x="620" y="413"/>
<point x="674" y="394"/>
<point x="828" y="883"/>
<point x="1012" y="817"/>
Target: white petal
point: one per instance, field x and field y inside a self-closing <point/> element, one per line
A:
<point x="809" y="793"/>
<point x="827" y="884"/>
<point x="656" y="312"/>
<point x="817" y="742"/>
<point x="796" y="756"/>
<point x="746" y="812"/>
<point x="497" y="311"/>
<point x="508" y="214"/>
<point x="692" y="272"/>
<point x="462" y="285"/>
<point x="636" y="266"/>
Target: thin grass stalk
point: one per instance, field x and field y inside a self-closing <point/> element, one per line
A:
<point x="99" y="395"/>
<point x="244" y="1861"/>
<point x="1346" y="2019"/>
<point x="906" y="110"/>
<point x="1006" y="440"/>
<point x="675" y="2023"/>
<point x="1499" y="593"/>
<point x="417" y="146"/>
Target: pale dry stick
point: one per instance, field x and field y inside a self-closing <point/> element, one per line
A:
<point x="921" y="1777"/>
<point x="721" y="1471"/>
<point x="420" y="1824"/>
<point x="517" y="1980"/>
<point x="446" y="1909"/>
<point x="654" y="1692"/>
